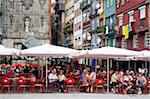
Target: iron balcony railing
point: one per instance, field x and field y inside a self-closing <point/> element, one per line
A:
<point x="100" y="29"/>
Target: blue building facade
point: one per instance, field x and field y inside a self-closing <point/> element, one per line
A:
<point x="110" y="21"/>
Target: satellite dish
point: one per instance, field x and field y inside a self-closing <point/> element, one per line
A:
<point x="84" y="36"/>
<point x="97" y="6"/>
<point x="89" y="36"/>
<point x="100" y="10"/>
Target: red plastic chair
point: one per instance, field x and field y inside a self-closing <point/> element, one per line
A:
<point x="6" y="83"/>
<point x="38" y="84"/>
<point x="147" y="87"/>
<point x="22" y="84"/>
<point x="99" y="84"/>
<point x="120" y="87"/>
<point x="53" y="85"/>
<point x="70" y="83"/>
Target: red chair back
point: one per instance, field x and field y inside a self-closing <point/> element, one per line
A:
<point x="5" y="81"/>
<point x="70" y="81"/>
<point x="21" y="81"/>
<point x="99" y="81"/>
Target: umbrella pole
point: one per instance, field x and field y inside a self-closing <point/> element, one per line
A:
<point x="46" y="75"/>
<point x="146" y="66"/>
<point x="42" y="67"/>
<point x="129" y="65"/>
<point x="134" y="65"/>
<point x="107" y="75"/>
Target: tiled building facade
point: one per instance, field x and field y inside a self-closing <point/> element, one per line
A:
<point x="101" y="23"/>
<point x="135" y="16"/>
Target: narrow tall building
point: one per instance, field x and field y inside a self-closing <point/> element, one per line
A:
<point x="25" y="23"/>
<point x="110" y="22"/>
<point x="68" y="23"/>
<point x="85" y="6"/>
<point x="59" y="17"/>
<point x="97" y="24"/>
<point x="77" y="25"/>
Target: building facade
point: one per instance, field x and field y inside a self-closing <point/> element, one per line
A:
<point x="110" y="21"/>
<point x="97" y="24"/>
<point x="59" y="17"/>
<point x="68" y="25"/>
<point x="25" y="19"/>
<point x="85" y="6"/>
<point x="133" y="24"/>
<point x="77" y="26"/>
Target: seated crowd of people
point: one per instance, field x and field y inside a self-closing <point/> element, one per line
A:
<point x="85" y="77"/>
<point x="128" y="82"/>
<point x="120" y="82"/>
<point x="16" y="70"/>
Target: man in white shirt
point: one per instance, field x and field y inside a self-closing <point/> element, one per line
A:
<point x="92" y="78"/>
<point x="52" y="76"/>
<point x="61" y="79"/>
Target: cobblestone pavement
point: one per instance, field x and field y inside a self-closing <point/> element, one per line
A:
<point x="72" y="96"/>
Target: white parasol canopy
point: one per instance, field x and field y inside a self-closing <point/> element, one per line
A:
<point x="49" y="50"/>
<point x="144" y="55"/>
<point x="7" y="51"/>
<point x="107" y="52"/>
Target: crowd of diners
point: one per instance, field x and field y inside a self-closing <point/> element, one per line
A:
<point x="134" y="82"/>
<point x="84" y="75"/>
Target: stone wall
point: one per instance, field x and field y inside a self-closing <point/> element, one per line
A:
<point x="23" y="18"/>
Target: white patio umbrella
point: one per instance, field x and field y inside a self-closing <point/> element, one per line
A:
<point x="144" y="55"/>
<point x="49" y="50"/>
<point x="107" y="53"/>
<point x="7" y="51"/>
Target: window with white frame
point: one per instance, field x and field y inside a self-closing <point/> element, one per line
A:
<point x="142" y="12"/>
<point x="86" y="15"/>
<point x="118" y="3"/>
<point x="95" y="23"/>
<point x="131" y="16"/>
<point x="107" y="2"/>
<point x="114" y="42"/>
<point x="122" y="2"/>
<point x="120" y="19"/>
<point x="111" y="20"/>
<point x="111" y="2"/>
<point x="135" y="43"/>
<point x="147" y="40"/>
<point x="124" y="43"/>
